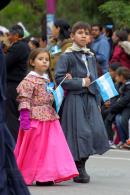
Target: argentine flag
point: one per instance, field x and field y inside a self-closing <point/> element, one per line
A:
<point x="58" y="95"/>
<point x="55" y="50"/>
<point x="106" y="87"/>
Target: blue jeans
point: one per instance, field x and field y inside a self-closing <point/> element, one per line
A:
<point x="121" y="130"/>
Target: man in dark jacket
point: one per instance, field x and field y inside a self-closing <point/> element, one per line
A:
<point x="16" y="65"/>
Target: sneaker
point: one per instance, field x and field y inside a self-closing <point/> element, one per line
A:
<point x="120" y="144"/>
<point x="112" y="145"/>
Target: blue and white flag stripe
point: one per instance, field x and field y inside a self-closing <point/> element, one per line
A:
<point x="106" y="87"/>
<point x="58" y="94"/>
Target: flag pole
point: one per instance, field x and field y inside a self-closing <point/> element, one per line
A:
<point x="62" y="81"/>
<point x="92" y="82"/>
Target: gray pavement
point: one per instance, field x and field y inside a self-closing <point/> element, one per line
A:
<point x="110" y="175"/>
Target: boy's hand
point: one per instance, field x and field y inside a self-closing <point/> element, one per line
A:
<point x="87" y="81"/>
<point x="68" y="75"/>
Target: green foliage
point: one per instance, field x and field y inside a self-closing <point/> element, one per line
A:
<point x="118" y="11"/>
<point x="71" y="10"/>
<point x="18" y="11"/>
<point x="32" y="12"/>
<point x="75" y="10"/>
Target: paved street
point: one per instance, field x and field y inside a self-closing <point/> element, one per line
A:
<point x="110" y="175"/>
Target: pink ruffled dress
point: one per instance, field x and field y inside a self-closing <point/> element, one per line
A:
<point x="42" y="152"/>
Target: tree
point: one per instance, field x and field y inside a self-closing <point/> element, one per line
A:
<point x="75" y="10"/>
<point x="30" y="14"/>
<point x="118" y="11"/>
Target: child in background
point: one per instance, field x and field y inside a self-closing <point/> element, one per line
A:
<point x="109" y="118"/>
<point x="42" y="153"/>
<point x="81" y="119"/>
<point x="121" y="108"/>
<point x="105" y="107"/>
<point x="33" y="43"/>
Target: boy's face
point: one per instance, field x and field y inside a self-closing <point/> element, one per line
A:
<point x="112" y="73"/>
<point x="120" y="79"/>
<point x="80" y="37"/>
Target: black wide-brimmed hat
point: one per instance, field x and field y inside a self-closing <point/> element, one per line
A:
<point x="3" y="3"/>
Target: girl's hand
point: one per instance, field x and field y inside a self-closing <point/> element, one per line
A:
<point x="69" y="77"/>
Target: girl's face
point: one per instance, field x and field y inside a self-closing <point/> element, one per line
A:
<point x="55" y="31"/>
<point x="80" y="37"/>
<point x="41" y="63"/>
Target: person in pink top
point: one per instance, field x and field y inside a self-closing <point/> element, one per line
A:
<point x="42" y="153"/>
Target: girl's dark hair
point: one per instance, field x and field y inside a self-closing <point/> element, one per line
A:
<point x="80" y="25"/>
<point x="64" y="29"/>
<point x="35" y="42"/>
<point x="34" y="54"/>
<point x="43" y="36"/>
<point x="122" y="35"/>
<point x="114" y="66"/>
<point x="123" y="71"/>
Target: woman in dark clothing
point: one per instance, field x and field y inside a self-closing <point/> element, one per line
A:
<point x="11" y="181"/>
<point x="16" y="67"/>
<point x="60" y="41"/>
<point x="81" y="119"/>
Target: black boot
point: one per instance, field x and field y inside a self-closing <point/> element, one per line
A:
<point x="83" y="176"/>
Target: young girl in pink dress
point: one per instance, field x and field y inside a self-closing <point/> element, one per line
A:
<point x="41" y="151"/>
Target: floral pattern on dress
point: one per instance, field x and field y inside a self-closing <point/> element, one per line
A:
<point x="32" y="95"/>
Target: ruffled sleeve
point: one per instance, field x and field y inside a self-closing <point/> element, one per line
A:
<point x="25" y="90"/>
